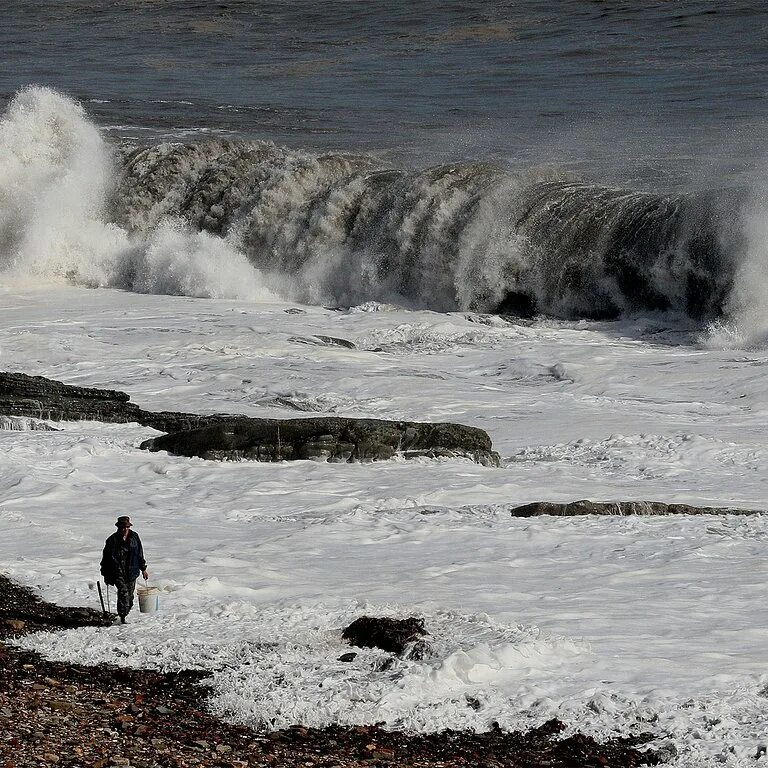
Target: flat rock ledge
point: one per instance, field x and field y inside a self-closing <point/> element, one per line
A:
<point x="232" y="437"/>
<point x="327" y="439"/>
<point x="55" y="713"/>
<point x="621" y="508"/>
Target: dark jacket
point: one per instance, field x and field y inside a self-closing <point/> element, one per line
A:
<point x="110" y="559"/>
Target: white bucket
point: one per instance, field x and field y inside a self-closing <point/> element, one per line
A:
<point x="149" y="599"/>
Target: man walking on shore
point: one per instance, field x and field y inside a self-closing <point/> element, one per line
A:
<point x="121" y="563"/>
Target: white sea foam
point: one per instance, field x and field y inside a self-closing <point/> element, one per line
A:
<point x="55" y="176"/>
<point x="429" y="338"/>
<point x="24" y="424"/>
<point x="279" y="665"/>
<point x="617" y="625"/>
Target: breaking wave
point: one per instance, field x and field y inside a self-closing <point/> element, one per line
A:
<point x="248" y="219"/>
<point x="56" y="177"/>
<point x="340" y="229"/>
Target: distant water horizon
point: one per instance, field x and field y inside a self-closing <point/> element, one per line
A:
<point x="662" y="96"/>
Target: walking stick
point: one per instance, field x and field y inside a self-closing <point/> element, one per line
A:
<point x="101" y="597"/>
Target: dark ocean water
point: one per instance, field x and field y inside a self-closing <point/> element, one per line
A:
<point x="656" y="94"/>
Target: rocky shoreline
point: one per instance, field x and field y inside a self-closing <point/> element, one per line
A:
<point x="71" y="715"/>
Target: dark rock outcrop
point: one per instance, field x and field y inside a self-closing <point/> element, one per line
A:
<point x="619" y="508"/>
<point x="38" y="397"/>
<point x="42" y="398"/>
<point x="21" y="610"/>
<point x="400" y="636"/>
<point x="230" y="436"/>
<point x="327" y="439"/>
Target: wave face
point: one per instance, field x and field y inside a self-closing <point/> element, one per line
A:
<point x="600" y="252"/>
<point x="342" y="229"/>
<point x="248" y="219"/>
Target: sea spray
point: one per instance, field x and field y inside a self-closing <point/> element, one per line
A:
<point x="54" y="171"/>
<point x="745" y="323"/>
<point x="55" y="179"/>
<point x="227" y="218"/>
<point x="175" y="261"/>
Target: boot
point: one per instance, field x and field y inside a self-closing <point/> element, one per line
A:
<point x="122" y="619"/>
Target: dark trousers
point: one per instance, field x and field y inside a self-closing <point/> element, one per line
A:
<point x="125" y="589"/>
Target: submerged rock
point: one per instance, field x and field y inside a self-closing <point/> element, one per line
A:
<point x="24" y="424"/>
<point x="323" y="341"/>
<point x="586" y="507"/>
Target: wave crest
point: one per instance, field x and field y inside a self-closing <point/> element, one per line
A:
<point x="246" y="219"/>
<point x="344" y="229"/>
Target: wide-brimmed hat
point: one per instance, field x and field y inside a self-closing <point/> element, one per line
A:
<point x="124" y="521"/>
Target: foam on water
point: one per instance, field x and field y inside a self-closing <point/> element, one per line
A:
<point x="278" y="665"/>
<point x="423" y="338"/>
<point x="24" y="424"/>
<point x="615" y="625"/>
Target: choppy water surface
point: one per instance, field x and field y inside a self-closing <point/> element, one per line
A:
<point x="660" y="94"/>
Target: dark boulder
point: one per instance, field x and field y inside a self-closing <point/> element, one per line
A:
<point x="619" y="508"/>
<point x="327" y="439"/>
<point x="400" y="636"/>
